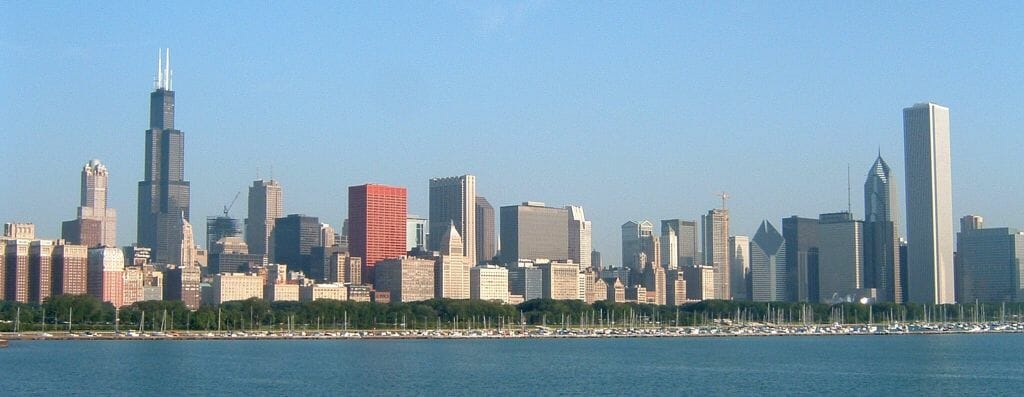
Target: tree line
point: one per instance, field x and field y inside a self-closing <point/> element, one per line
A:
<point x="83" y="312"/>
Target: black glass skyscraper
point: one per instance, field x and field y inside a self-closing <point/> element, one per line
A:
<point x="164" y="192"/>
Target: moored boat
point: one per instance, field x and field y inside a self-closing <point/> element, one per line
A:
<point x="3" y="343"/>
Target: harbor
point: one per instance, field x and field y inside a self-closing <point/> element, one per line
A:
<point x="724" y="330"/>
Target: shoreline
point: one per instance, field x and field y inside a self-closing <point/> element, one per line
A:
<point x="534" y="332"/>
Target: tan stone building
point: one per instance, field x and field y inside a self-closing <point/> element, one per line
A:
<point x="281" y="292"/>
<point x="616" y="291"/>
<point x="489" y="283"/>
<point x="133" y="281"/>
<point x="451" y="268"/>
<point x="236" y="287"/>
<point x="560" y="280"/>
<point x="406" y="279"/>
<point x="312" y="292"/>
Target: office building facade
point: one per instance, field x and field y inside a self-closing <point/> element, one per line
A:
<point x="929" y="204"/>
<point x="376" y="225"/>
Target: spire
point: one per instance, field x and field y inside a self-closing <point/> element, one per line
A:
<point x="167" y="71"/>
<point x="159" y="69"/>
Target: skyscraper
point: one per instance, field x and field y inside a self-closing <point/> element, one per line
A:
<point x="163" y="192"/>
<point x="929" y="204"/>
<point x="716" y="249"/>
<point x="451" y="268"/>
<point x="801" y="235"/>
<point x="416" y="233"/>
<point x="579" y="236"/>
<point x="453" y="201"/>
<point x="95" y="225"/>
<point x="686" y="240"/>
<point x="376" y="225"/>
<point x="266" y="204"/>
<point x="881" y="237"/>
<point x="218" y="227"/>
<point x="989" y="263"/>
<point x="768" y="264"/>
<point x="485" y="237"/>
<point x="840" y="257"/>
<point x="532" y="231"/>
<point x="294" y="238"/>
<point x="637" y="237"/>
<point x="739" y="266"/>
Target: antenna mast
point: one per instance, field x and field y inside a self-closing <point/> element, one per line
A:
<point x="725" y="198"/>
<point x="849" y="192"/>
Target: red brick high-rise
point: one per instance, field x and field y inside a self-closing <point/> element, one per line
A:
<point x="376" y="224"/>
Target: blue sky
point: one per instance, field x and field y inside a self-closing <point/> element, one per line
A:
<point x="635" y="110"/>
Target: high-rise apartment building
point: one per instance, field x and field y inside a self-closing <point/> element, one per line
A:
<point x="106" y="275"/>
<point x="580" y="233"/>
<point x="739" y="267"/>
<point x="881" y="234"/>
<point x="163" y="193"/>
<point x="40" y="270"/>
<point x="768" y="264"/>
<point x="929" y="204"/>
<point x="15" y="275"/>
<point x="840" y="257"/>
<point x="716" y="249"/>
<point x="266" y="204"/>
<point x="70" y="269"/>
<point x="532" y="231"/>
<point x="453" y="202"/>
<point x="485" y="236"/>
<point x="376" y="225"/>
<point x="96" y="224"/>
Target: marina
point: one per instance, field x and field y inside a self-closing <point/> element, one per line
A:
<point x="725" y="330"/>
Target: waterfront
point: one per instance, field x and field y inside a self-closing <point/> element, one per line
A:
<point x="986" y="364"/>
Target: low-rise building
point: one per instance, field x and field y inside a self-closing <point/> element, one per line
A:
<point x="489" y="283"/>
<point x="407" y="279"/>
<point x="312" y="292"/>
<point x="236" y="287"/>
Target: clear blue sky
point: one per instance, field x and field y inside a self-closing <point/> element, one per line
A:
<point x="637" y="110"/>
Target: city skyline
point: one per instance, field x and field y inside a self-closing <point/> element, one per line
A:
<point x="872" y="121"/>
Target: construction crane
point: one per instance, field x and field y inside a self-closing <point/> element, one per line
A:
<point x="227" y="208"/>
<point x="725" y="198"/>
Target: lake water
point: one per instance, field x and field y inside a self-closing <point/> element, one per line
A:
<point x="990" y="364"/>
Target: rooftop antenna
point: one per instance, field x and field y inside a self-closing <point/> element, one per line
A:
<point x="725" y="198"/>
<point x="849" y="192"/>
<point x="257" y="172"/>
<point x="159" y="69"/>
<point x="167" y="71"/>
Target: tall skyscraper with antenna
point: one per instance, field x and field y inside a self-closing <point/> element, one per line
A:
<point x="163" y="192"/>
<point x="881" y="237"/>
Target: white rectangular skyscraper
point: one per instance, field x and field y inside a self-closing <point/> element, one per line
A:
<point x="929" y="204"/>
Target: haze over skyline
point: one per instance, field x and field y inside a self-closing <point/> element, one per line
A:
<point x="631" y="112"/>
